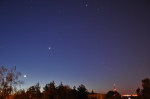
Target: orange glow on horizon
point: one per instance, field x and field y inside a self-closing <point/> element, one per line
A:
<point x="127" y="95"/>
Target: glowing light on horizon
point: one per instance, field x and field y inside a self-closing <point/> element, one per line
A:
<point x="127" y="95"/>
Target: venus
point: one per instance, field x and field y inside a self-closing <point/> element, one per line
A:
<point x="24" y="76"/>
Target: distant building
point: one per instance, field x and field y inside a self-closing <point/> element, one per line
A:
<point x="96" y="96"/>
<point x="129" y="96"/>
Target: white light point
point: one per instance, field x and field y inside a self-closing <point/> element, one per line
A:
<point x="49" y="48"/>
<point x="86" y="5"/>
<point x="24" y="76"/>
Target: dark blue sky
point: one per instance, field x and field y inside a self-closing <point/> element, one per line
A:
<point x="92" y="42"/>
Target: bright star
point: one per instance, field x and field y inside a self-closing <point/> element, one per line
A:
<point x="86" y="5"/>
<point x="49" y="48"/>
<point x="24" y="76"/>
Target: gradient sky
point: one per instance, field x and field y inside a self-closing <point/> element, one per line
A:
<point x="92" y="42"/>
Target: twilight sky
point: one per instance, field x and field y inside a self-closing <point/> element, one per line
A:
<point x="92" y="42"/>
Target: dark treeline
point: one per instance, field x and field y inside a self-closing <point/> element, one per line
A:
<point x="145" y="92"/>
<point x="51" y="91"/>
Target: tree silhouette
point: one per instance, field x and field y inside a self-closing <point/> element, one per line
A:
<point x="112" y="95"/>
<point x="21" y="94"/>
<point x="146" y="88"/>
<point x="34" y="92"/>
<point x="73" y="93"/>
<point x="49" y="91"/>
<point x="64" y="91"/>
<point x="8" y="81"/>
<point x="146" y="83"/>
<point x="138" y="91"/>
<point x="92" y="92"/>
<point x="60" y="91"/>
<point x="82" y="92"/>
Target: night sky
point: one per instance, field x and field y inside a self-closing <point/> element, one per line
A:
<point x="92" y="42"/>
